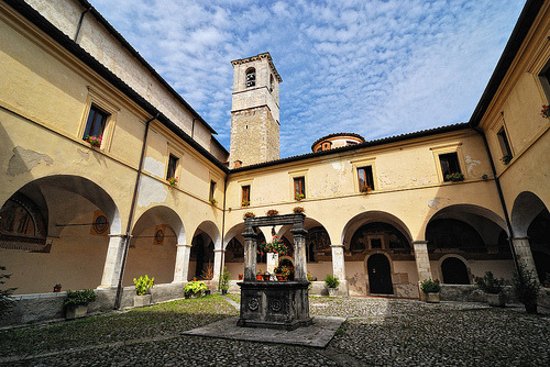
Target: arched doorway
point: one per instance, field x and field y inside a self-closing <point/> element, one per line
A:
<point x="153" y="245"/>
<point x="454" y="271"/>
<point x="471" y="233"/>
<point x="201" y="258"/>
<point x="379" y="270"/>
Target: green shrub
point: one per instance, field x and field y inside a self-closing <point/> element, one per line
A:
<point x="224" y="280"/>
<point x="490" y="284"/>
<point x="79" y="298"/>
<point x="5" y="300"/>
<point x="526" y="286"/>
<point x="332" y="281"/>
<point x="194" y="288"/>
<point x="143" y="284"/>
<point x="430" y="286"/>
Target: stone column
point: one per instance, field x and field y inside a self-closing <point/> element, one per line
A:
<point x="113" y="261"/>
<point x="422" y="263"/>
<point x="339" y="267"/>
<point x="272" y="262"/>
<point x="300" y="260"/>
<point x="523" y="253"/>
<point x="218" y="263"/>
<point x="182" y="263"/>
<point x="249" y="253"/>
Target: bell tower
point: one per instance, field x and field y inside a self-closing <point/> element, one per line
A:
<point x="254" y="111"/>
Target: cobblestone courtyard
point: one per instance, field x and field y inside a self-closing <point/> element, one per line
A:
<point x="377" y="332"/>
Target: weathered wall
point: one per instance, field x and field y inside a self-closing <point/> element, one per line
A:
<point x="99" y="43"/>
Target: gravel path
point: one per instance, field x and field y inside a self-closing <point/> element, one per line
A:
<point x="378" y="332"/>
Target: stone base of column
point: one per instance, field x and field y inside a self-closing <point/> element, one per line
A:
<point x="343" y="288"/>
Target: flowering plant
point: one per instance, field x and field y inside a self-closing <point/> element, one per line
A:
<point x="545" y="112"/>
<point x="173" y="181"/>
<point x="275" y="246"/>
<point x="249" y="215"/>
<point x="95" y="141"/>
<point x="272" y="212"/>
<point x="298" y="210"/>
<point x="283" y="271"/>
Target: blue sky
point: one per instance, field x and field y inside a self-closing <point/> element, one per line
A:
<point x="377" y="68"/>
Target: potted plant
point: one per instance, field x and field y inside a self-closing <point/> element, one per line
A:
<point x="76" y="303"/>
<point x="224" y="280"/>
<point x="94" y="141"/>
<point x="172" y="181"/>
<point x="431" y="288"/>
<point x="143" y="286"/>
<point x="5" y="300"/>
<point x="272" y="213"/>
<point x="249" y="215"/>
<point x="506" y="159"/>
<point x="332" y="282"/>
<point x="492" y="287"/>
<point x="282" y="273"/>
<point x="299" y="197"/>
<point x="454" y="177"/>
<point x="245" y="203"/>
<point x="545" y="112"/>
<point x="260" y="275"/>
<point x="298" y="210"/>
<point x="366" y="189"/>
<point x="194" y="289"/>
<point x="526" y="288"/>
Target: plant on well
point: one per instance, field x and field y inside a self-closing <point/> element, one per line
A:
<point x="5" y="300"/>
<point x="526" y="286"/>
<point x="490" y="284"/>
<point x="272" y="212"/>
<point x="195" y="288"/>
<point x="224" y="280"/>
<point x="249" y="215"/>
<point x="298" y="210"/>
<point x="79" y="298"/>
<point x="332" y="281"/>
<point x="430" y="286"/>
<point x="143" y="284"/>
<point x="275" y="246"/>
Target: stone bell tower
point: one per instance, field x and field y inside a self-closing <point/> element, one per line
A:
<point x="254" y="111"/>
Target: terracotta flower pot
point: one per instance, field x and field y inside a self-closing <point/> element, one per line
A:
<point x="260" y="277"/>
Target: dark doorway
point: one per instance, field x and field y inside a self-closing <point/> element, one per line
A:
<point x="379" y="274"/>
<point x="454" y="271"/>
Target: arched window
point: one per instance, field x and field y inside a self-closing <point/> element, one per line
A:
<point x="454" y="271"/>
<point x="250" y="77"/>
<point x="455" y="234"/>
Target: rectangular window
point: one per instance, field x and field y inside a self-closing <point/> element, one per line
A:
<point x="366" y="179"/>
<point x="450" y="167"/>
<point x="212" y="190"/>
<point x="245" y="195"/>
<point x="504" y="146"/>
<point x="95" y="125"/>
<point x="299" y="188"/>
<point x="172" y="166"/>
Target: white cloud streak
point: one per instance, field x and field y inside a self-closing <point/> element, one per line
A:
<point x="376" y="68"/>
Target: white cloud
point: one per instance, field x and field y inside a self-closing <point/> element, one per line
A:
<point x="376" y="68"/>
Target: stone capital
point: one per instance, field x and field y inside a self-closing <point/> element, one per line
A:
<point x="520" y="238"/>
<point x="219" y="250"/>
<point x="337" y="246"/>
<point x="184" y="245"/>
<point x="121" y="235"/>
<point x="420" y="242"/>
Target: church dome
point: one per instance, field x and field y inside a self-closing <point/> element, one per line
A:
<point x="336" y="140"/>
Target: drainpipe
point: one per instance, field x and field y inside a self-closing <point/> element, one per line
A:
<point x="223" y="228"/>
<point x="500" y="195"/>
<point x="80" y="22"/>
<point x="127" y="236"/>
